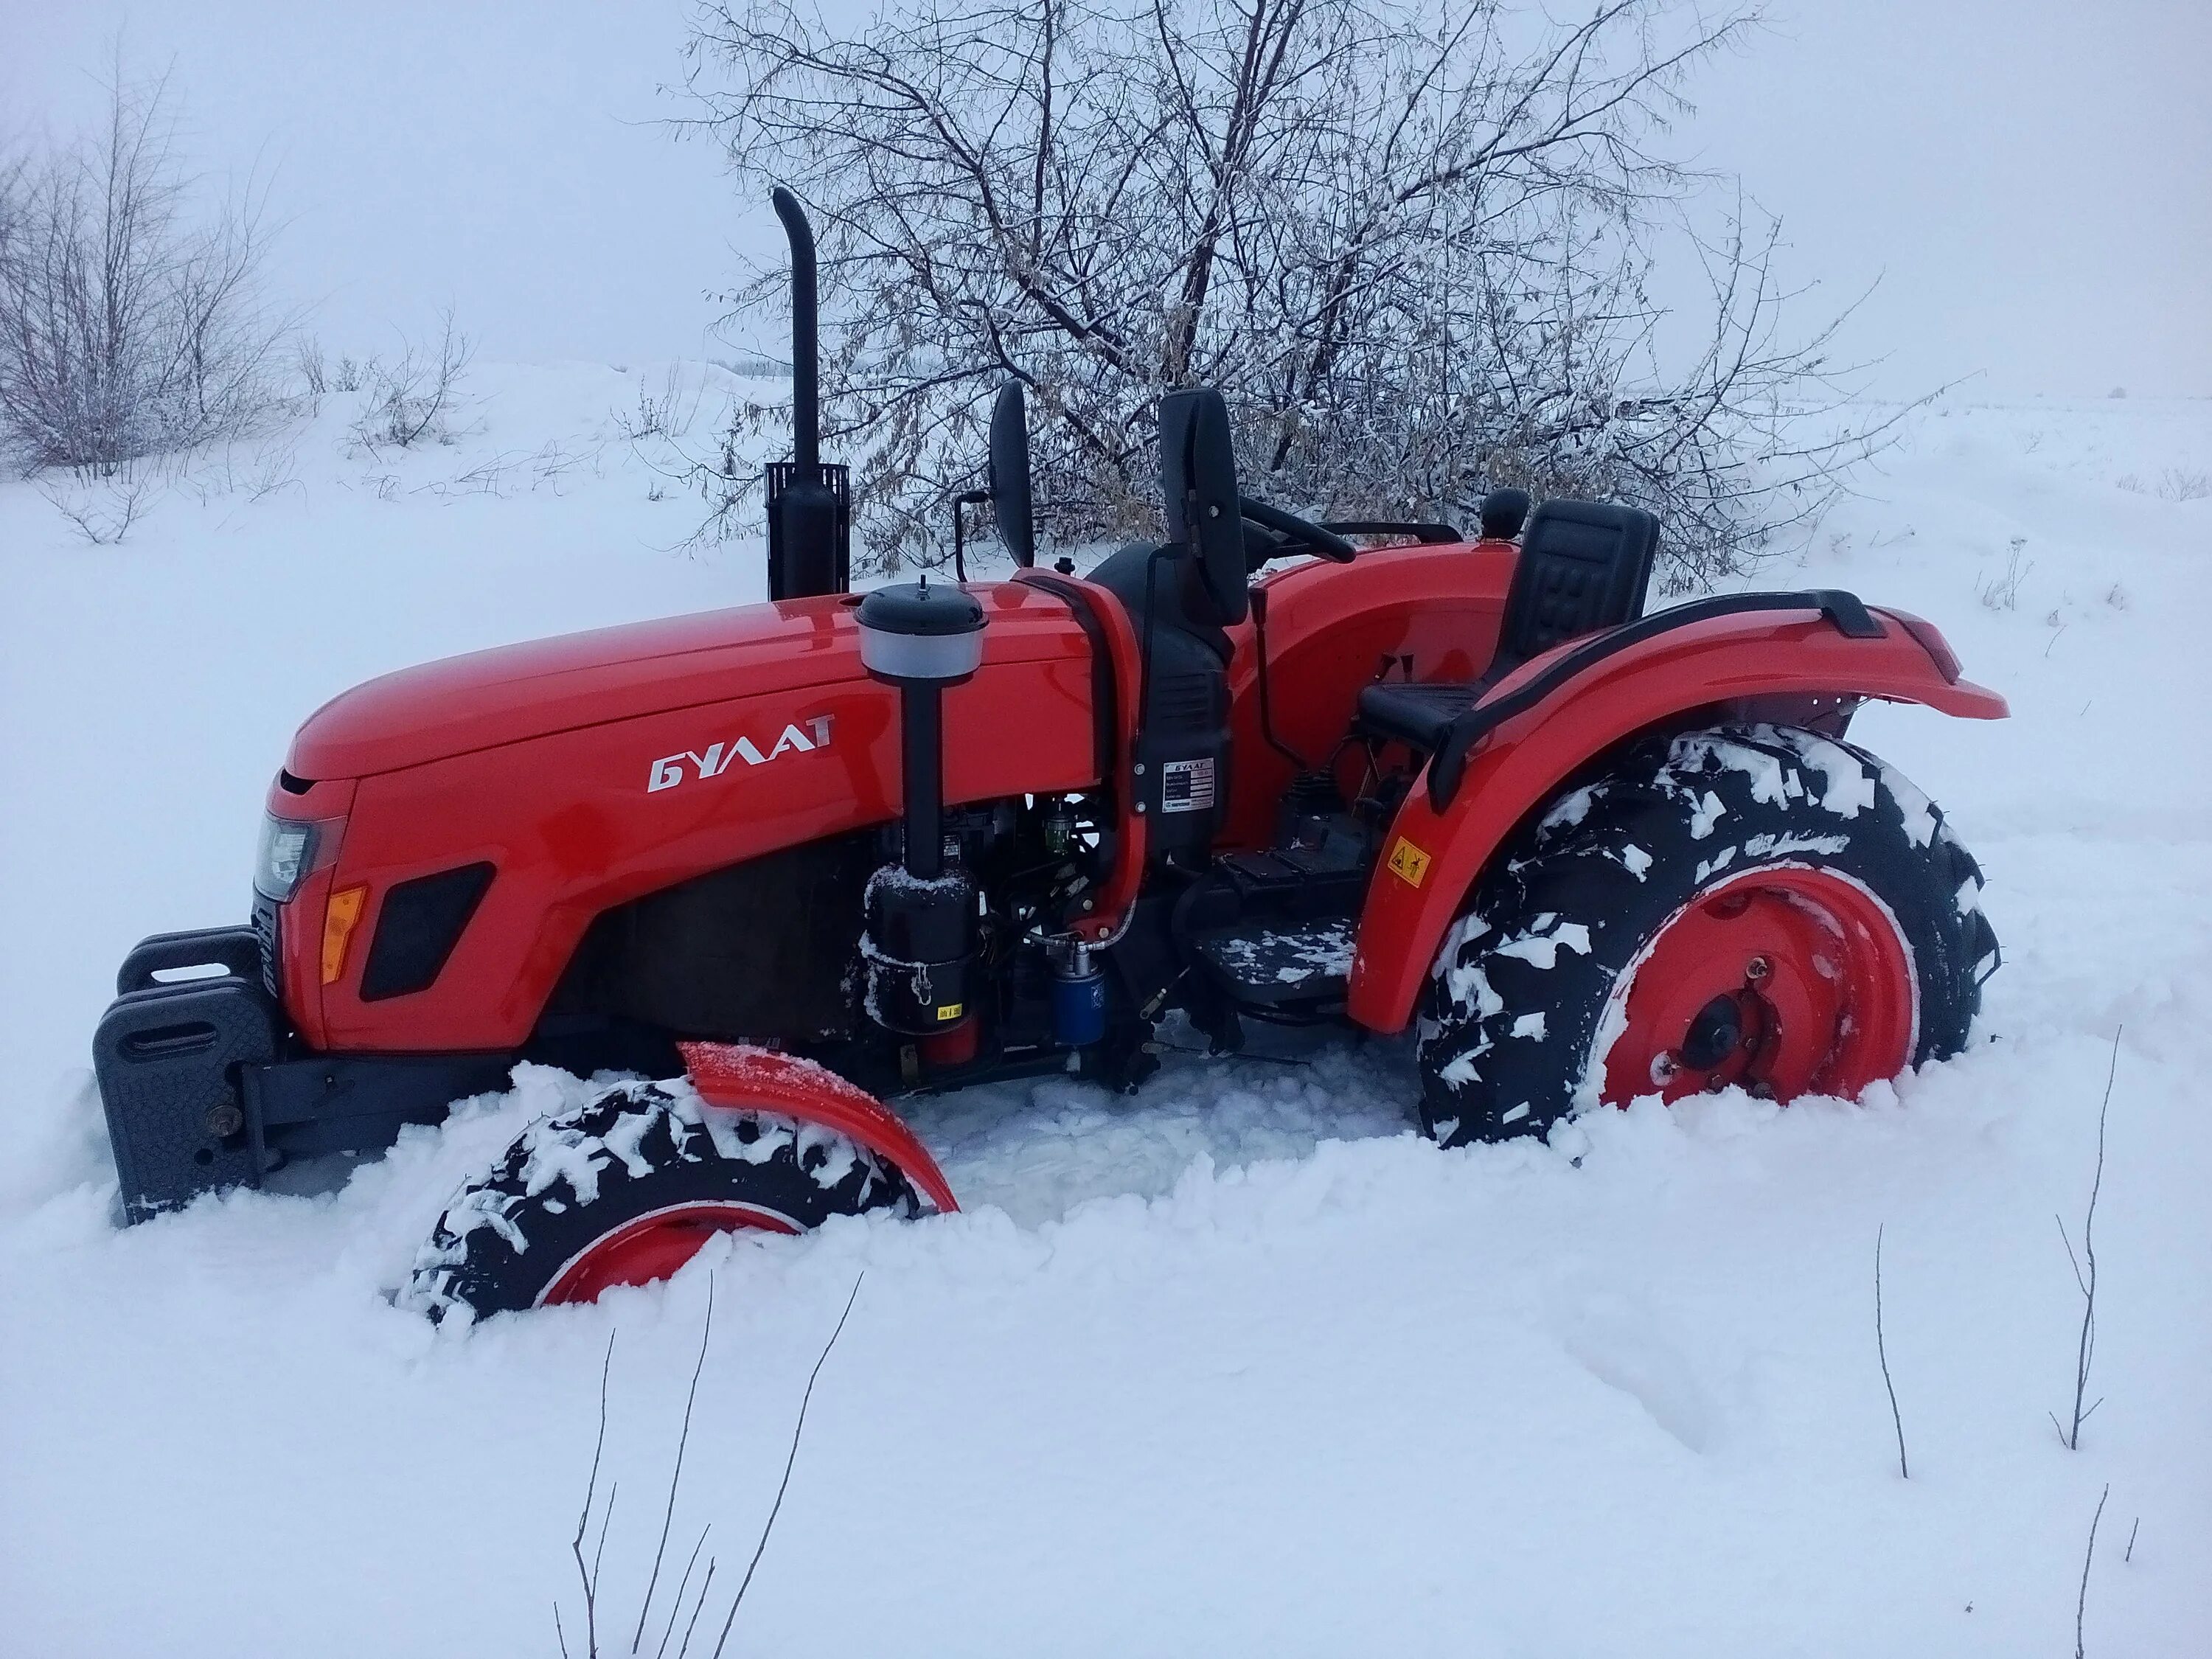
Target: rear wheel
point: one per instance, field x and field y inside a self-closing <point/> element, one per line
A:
<point x="1756" y="906"/>
<point x="629" y="1188"/>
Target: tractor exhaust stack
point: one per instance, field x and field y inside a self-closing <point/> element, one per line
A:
<point x="806" y="338"/>
<point x="809" y="518"/>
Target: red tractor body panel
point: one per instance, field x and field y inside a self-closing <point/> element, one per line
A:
<point x="1744" y="666"/>
<point x="611" y="780"/>
<point x="514" y="693"/>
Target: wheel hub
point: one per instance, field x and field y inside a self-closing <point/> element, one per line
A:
<point x="1786" y="981"/>
<point x="1715" y="1035"/>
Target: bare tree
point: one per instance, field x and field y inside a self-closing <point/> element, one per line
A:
<point x="415" y="397"/>
<point x="103" y="510"/>
<point x="1413" y="244"/>
<point x="130" y="320"/>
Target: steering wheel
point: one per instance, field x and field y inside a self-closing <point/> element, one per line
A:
<point x="1299" y="535"/>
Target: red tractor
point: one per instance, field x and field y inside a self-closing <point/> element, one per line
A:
<point x="807" y="856"/>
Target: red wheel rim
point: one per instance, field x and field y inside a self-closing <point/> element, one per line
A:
<point x="1786" y="980"/>
<point x="654" y="1246"/>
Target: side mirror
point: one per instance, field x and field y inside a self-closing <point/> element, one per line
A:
<point x="1198" y="476"/>
<point x="1010" y="474"/>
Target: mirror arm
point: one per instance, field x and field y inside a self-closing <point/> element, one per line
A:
<point x="971" y="498"/>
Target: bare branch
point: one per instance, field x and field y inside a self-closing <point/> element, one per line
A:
<point x="589" y="1579"/>
<point x="2082" y="1602"/>
<point x="697" y="1607"/>
<point x="1882" y="1351"/>
<point x="797" y="1428"/>
<point x="2085" y="1267"/>
<point x="675" y="1607"/>
<point x="676" y="1475"/>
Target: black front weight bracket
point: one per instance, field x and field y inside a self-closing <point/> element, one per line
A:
<point x="204" y="1089"/>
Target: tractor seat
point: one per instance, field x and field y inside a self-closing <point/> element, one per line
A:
<point x="1584" y="566"/>
<point x="1414" y="712"/>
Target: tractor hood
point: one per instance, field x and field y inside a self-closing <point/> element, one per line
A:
<point x="516" y="692"/>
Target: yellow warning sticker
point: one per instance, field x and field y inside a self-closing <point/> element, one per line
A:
<point x="1408" y="863"/>
<point x="949" y="1011"/>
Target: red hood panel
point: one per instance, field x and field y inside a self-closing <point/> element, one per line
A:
<point x="515" y="692"/>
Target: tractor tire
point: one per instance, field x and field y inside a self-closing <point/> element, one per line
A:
<point x="1759" y="906"/>
<point x="626" y="1188"/>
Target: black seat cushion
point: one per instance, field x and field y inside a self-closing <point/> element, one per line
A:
<point x="1583" y="566"/>
<point x="1414" y="712"/>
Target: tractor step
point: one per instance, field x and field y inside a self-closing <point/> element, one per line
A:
<point x="1280" y="965"/>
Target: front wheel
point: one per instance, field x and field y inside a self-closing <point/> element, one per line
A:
<point x="1757" y="906"/>
<point x="627" y="1189"/>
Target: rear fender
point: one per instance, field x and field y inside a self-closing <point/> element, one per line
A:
<point x="1765" y="664"/>
<point x="747" y="1078"/>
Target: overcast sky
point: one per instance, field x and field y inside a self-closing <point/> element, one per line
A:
<point x="2028" y="184"/>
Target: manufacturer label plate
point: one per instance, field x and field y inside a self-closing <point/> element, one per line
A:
<point x="1187" y="785"/>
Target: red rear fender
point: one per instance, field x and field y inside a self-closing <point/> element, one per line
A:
<point x="1780" y="666"/>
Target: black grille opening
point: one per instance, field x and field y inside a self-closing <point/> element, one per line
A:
<point x="416" y="928"/>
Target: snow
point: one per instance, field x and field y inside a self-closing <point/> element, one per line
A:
<point x="1709" y="812"/>
<point x="1314" y="949"/>
<point x="1570" y="809"/>
<point x="1238" y="1363"/>
<point x="1759" y="845"/>
<point x="1542" y="950"/>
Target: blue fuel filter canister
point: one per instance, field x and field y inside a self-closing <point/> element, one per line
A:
<point x="1079" y="995"/>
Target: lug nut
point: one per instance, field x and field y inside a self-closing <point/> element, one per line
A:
<point x="1757" y="970"/>
<point x="1663" y="1067"/>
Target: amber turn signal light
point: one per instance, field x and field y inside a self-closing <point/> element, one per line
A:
<point x="339" y="919"/>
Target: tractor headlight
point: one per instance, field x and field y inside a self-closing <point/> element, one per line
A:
<point x="291" y="850"/>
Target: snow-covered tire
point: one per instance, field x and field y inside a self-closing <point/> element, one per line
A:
<point x="1779" y="903"/>
<point x="625" y="1189"/>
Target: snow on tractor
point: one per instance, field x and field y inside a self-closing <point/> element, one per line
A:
<point x="804" y="857"/>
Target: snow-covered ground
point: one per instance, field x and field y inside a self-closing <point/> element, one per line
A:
<point x="1239" y="1364"/>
